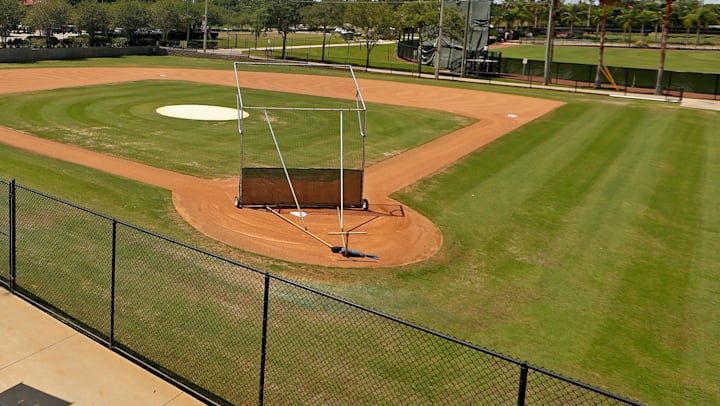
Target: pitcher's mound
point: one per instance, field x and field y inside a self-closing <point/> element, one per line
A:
<point x="200" y="112"/>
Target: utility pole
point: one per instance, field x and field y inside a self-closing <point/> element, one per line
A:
<point x="463" y="61"/>
<point x="438" y="45"/>
<point x="205" y="27"/>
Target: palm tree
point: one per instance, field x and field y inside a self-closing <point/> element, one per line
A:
<point x="663" y="47"/>
<point x="689" y="20"/>
<point x="571" y="14"/>
<point x="603" y="24"/>
<point x="647" y="17"/>
<point x="704" y="17"/>
<point x="535" y="10"/>
<point x="513" y="16"/>
<point x="627" y="21"/>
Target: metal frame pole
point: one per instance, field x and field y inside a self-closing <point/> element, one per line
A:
<point x="263" y="350"/>
<point x="13" y="234"/>
<point x="111" y="342"/>
<point x="342" y="177"/>
<point x="522" y="387"/>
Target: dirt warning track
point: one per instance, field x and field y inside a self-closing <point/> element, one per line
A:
<point x="397" y="234"/>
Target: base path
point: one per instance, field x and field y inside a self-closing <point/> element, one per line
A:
<point x="397" y="234"/>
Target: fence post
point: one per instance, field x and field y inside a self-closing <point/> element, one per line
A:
<point x="13" y="234"/>
<point x="523" y="384"/>
<point x="263" y="349"/>
<point x="111" y="343"/>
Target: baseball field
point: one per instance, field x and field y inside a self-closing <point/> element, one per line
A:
<point x="577" y="232"/>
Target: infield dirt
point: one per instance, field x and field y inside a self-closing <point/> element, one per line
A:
<point x="397" y="234"/>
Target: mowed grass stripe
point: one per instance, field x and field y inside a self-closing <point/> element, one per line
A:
<point x="554" y="267"/>
<point x="646" y="326"/>
<point x="703" y="307"/>
<point x="522" y="256"/>
<point x="593" y="240"/>
<point x="572" y="267"/>
<point x="492" y="203"/>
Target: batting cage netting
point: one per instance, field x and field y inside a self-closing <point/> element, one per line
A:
<point x="301" y="151"/>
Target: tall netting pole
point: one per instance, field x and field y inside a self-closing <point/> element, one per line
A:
<point x="342" y="177"/>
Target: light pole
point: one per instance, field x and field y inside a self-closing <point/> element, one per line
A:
<point x="204" y="27"/>
<point x="463" y="61"/>
<point x="438" y="45"/>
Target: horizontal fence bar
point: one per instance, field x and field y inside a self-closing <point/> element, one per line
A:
<point x="155" y="366"/>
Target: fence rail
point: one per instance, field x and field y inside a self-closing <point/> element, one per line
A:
<point x="703" y="85"/>
<point x="231" y="334"/>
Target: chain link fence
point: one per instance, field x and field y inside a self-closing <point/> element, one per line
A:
<point x="702" y="85"/>
<point x="231" y="334"/>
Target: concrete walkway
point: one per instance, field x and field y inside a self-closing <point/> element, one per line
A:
<point x="45" y="362"/>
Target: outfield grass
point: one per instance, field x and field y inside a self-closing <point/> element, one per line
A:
<point x="677" y="60"/>
<point x="245" y="39"/>
<point x="382" y="56"/>
<point x="586" y="242"/>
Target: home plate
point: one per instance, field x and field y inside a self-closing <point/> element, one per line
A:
<point x="512" y="115"/>
<point x="200" y="112"/>
<point x="298" y="213"/>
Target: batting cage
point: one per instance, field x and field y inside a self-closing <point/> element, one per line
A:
<point x="297" y="150"/>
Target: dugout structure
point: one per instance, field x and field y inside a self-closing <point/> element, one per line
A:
<point x="301" y="151"/>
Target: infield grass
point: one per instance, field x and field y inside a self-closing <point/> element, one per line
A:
<point x="126" y="125"/>
<point x="587" y="242"/>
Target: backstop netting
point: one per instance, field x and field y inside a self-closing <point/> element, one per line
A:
<point x="305" y="151"/>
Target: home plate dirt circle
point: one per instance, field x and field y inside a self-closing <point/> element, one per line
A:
<point x="200" y="112"/>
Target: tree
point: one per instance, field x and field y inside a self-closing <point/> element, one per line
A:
<point x="49" y="15"/>
<point x="514" y="16"/>
<point x="130" y="15"/>
<point x="688" y="20"/>
<point x="323" y="15"/>
<point x="536" y="9"/>
<point x="663" y="46"/>
<point x="374" y="20"/>
<point x="647" y="17"/>
<point x="282" y="15"/>
<point x="11" y="13"/>
<point x="167" y="15"/>
<point x="627" y="20"/>
<point x="680" y="9"/>
<point x="704" y="18"/>
<point x="91" y="16"/>
<point x="419" y="15"/>
<point x="547" y="76"/>
<point x="571" y="14"/>
<point x="606" y="4"/>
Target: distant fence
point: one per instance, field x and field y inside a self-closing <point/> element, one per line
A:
<point x="24" y="55"/>
<point x="581" y="75"/>
<point x="231" y="334"/>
